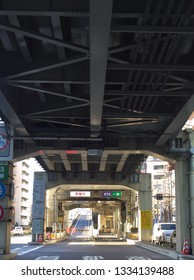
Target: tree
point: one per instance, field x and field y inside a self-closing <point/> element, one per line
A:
<point x="168" y="203"/>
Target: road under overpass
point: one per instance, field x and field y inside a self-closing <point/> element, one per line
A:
<point x="91" y="89"/>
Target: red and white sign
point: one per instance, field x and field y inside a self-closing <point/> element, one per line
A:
<point x="4" y="142"/>
<point x="6" y="145"/>
<point x="80" y="194"/>
<point x="2" y="212"/>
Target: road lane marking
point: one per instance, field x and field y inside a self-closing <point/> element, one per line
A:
<point x="137" y="258"/>
<point x="92" y="258"/>
<point x="48" y="258"/>
<point x="20" y="251"/>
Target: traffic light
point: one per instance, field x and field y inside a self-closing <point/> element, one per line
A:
<point x="159" y="196"/>
<point x="95" y="220"/>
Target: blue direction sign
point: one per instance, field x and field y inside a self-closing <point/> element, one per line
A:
<point x="2" y="190"/>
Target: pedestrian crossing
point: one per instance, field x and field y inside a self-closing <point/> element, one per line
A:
<point x="48" y="258"/>
<point x="138" y="258"/>
<point x="25" y="249"/>
<point x="28" y="249"/>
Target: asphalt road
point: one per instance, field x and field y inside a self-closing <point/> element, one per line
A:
<point x="80" y="246"/>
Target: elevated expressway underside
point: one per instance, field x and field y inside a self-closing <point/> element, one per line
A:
<point x="91" y="88"/>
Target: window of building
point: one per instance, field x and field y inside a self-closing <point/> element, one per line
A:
<point x="158" y="188"/>
<point x="25" y="173"/>
<point x="158" y="177"/>
<point x="25" y="164"/>
<point x="158" y="167"/>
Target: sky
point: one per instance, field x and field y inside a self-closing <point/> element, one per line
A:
<point x="35" y="165"/>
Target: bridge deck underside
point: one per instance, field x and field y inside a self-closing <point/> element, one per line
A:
<point x="92" y="86"/>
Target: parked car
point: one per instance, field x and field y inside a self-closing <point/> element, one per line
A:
<point x="17" y="231"/>
<point x="162" y="232"/>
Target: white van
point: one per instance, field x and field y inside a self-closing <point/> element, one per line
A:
<point x="162" y="232"/>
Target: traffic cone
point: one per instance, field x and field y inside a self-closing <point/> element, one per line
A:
<point x="185" y="250"/>
<point x="73" y="230"/>
<point x="40" y="238"/>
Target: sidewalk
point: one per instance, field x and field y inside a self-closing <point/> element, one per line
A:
<point x="170" y="252"/>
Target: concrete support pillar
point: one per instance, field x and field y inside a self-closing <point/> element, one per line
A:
<point x="145" y="208"/>
<point x="6" y="208"/>
<point x="182" y="202"/>
<point x="38" y="207"/>
<point x="50" y="207"/>
<point x="191" y="190"/>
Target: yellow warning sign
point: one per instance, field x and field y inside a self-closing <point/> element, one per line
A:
<point x="146" y="219"/>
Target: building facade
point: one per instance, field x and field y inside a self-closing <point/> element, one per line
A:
<point x="163" y="189"/>
<point x="23" y="174"/>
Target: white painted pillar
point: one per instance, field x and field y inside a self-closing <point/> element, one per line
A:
<point x="182" y="203"/>
<point x="145" y="208"/>
<point x="38" y="207"/>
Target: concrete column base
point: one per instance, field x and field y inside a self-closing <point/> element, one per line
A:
<point x="8" y="256"/>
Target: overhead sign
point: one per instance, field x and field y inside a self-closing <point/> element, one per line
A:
<point x="106" y="194"/>
<point x="3" y="170"/>
<point x="71" y="152"/>
<point x="116" y="194"/>
<point x="111" y="194"/>
<point x="4" y="142"/>
<point x="80" y="193"/>
<point x="6" y="145"/>
<point x="2" y="212"/>
<point x="95" y="152"/>
<point x="2" y="190"/>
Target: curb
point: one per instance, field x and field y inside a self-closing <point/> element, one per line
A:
<point x="167" y="252"/>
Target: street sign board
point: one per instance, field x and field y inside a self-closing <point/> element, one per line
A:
<point x="95" y="152"/>
<point x="80" y="193"/>
<point x="2" y="190"/>
<point x="116" y="194"/>
<point x="38" y="211"/>
<point x="6" y="145"/>
<point x="3" y="170"/>
<point x="109" y="194"/>
<point x="106" y="194"/>
<point x="4" y="142"/>
<point x="37" y="226"/>
<point x="146" y="219"/>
